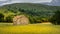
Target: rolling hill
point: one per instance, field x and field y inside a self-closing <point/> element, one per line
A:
<point x="31" y="9"/>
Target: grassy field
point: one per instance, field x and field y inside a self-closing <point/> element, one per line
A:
<point x="9" y="28"/>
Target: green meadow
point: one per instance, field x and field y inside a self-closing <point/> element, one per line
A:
<point x="41" y="28"/>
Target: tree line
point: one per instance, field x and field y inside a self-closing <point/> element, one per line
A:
<point x="33" y="17"/>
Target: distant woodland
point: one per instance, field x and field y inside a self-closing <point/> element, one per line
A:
<point x="37" y="13"/>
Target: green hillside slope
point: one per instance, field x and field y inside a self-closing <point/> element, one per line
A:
<point x="33" y="11"/>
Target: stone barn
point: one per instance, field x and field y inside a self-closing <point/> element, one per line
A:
<point x="20" y="20"/>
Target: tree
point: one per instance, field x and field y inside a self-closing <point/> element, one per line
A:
<point x="1" y="17"/>
<point x="56" y="18"/>
<point x="9" y="19"/>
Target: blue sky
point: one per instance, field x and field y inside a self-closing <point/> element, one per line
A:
<point x="2" y="2"/>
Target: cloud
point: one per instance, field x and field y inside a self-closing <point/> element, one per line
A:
<point x="36" y="1"/>
<point x="27" y="0"/>
<point x="3" y="2"/>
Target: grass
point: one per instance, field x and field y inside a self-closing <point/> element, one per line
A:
<point x="9" y="28"/>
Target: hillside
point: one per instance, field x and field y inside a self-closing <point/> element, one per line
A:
<point x="36" y="11"/>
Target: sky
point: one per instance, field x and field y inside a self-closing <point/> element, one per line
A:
<point x="3" y="2"/>
<point x="28" y="0"/>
